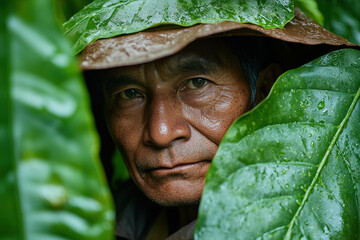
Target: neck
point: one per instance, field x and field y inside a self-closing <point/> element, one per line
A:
<point x="175" y="218"/>
<point x="181" y="216"/>
<point x="187" y="214"/>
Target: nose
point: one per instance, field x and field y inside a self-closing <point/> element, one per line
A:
<point x="165" y="123"/>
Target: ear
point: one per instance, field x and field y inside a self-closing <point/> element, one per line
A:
<point x="266" y="79"/>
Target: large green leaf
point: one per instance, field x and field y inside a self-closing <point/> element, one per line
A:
<point x="51" y="184"/>
<point x="290" y="169"/>
<point x="108" y="18"/>
<point x="342" y="17"/>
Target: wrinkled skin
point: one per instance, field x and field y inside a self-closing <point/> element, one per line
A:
<point x="168" y="117"/>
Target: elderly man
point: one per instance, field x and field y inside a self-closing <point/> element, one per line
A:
<point x="170" y="95"/>
<point x="174" y="112"/>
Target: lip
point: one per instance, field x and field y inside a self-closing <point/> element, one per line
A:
<point x="180" y="169"/>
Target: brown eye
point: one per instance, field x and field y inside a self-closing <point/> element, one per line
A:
<point x="130" y="94"/>
<point x="196" y="83"/>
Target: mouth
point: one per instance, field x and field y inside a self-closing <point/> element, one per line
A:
<point x="180" y="170"/>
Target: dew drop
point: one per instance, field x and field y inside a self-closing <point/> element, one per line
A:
<point x="321" y="104"/>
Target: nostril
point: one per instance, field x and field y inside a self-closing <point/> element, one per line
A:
<point x="179" y="139"/>
<point x="161" y="145"/>
<point x="165" y="137"/>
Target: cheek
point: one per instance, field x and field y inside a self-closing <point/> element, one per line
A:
<point x="216" y="117"/>
<point x="125" y="135"/>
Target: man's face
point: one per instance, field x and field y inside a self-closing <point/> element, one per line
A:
<point x="168" y="117"/>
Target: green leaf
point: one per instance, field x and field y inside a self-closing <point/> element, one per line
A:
<point x="52" y="186"/>
<point x="342" y="17"/>
<point x="104" y="18"/>
<point x="311" y="9"/>
<point x="290" y="169"/>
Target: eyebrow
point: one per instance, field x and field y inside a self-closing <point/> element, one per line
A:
<point x="189" y="65"/>
<point x="114" y="82"/>
<point x="196" y="64"/>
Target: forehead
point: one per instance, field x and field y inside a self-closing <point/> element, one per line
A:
<point x="199" y="56"/>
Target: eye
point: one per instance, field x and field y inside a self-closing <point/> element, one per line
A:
<point x="196" y="83"/>
<point x="130" y="94"/>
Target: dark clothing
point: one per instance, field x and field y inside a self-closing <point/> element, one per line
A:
<point x="135" y="214"/>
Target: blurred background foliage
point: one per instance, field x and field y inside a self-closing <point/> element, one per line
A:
<point x="51" y="181"/>
<point x="310" y="8"/>
<point x="64" y="9"/>
<point x="342" y="17"/>
<point x="339" y="16"/>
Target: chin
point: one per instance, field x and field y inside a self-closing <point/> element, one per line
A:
<point x="177" y="193"/>
<point x="176" y="202"/>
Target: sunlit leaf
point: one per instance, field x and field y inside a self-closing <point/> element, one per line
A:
<point x="104" y="18"/>
<point x="290" y="169"/>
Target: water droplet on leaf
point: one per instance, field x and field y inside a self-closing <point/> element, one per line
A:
<point x="321" y="104"/>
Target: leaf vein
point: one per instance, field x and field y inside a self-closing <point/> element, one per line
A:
<point x="317" y="218"/>
<point x="287" y="123"/>
<point x="347" y="165"/>
<point x="251" y="202"/>
<point x="315" y="89"/>
<point x="271" y="231"/>
<point x="332" y="194"/>
<point x="284" y="163"/>
<point x="305" y="164"/>
<point x="265" y="199"/>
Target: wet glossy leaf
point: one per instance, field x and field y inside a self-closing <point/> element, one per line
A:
<point x="51" y="184"/>
<point x="290" y="169"/>
<point x="104" y="18"/>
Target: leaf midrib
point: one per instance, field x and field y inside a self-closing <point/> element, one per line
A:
<point x="322" y="163"/>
